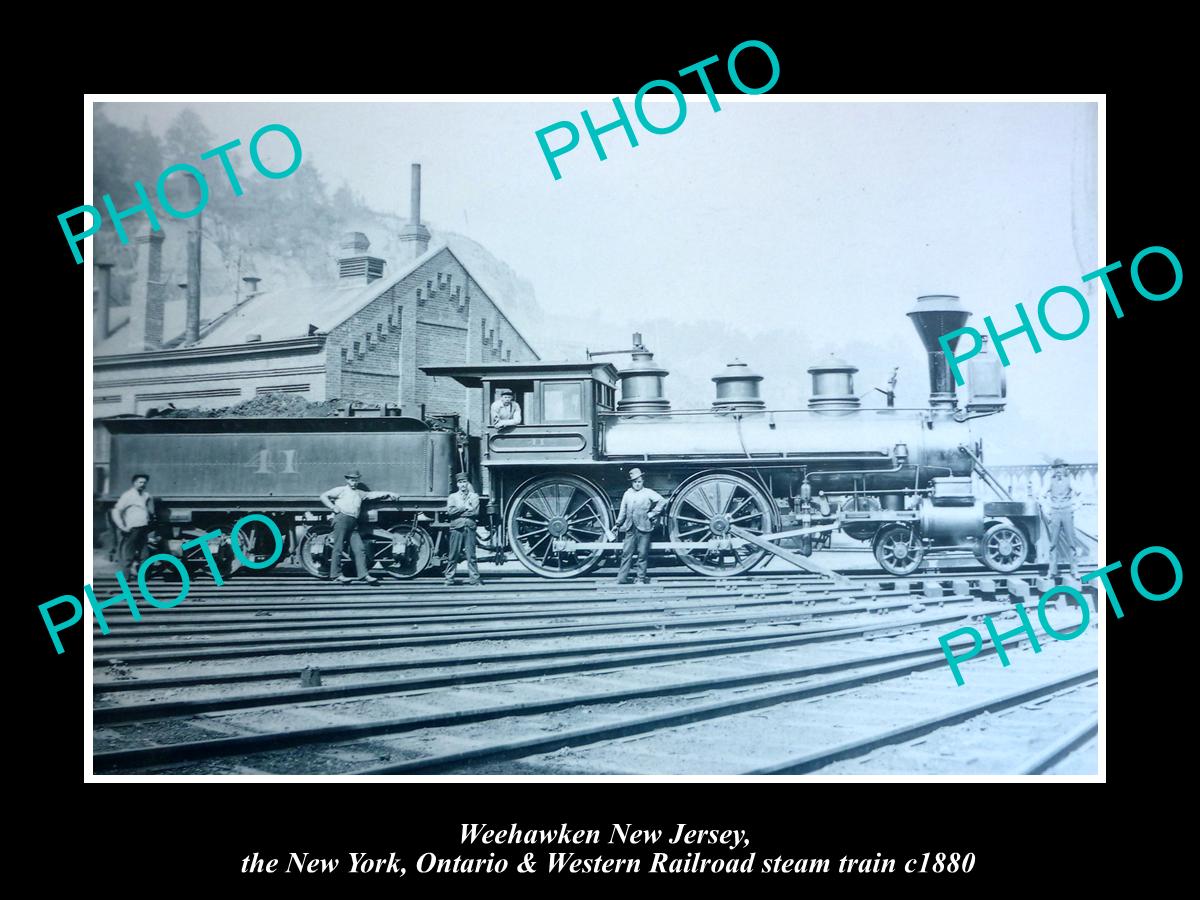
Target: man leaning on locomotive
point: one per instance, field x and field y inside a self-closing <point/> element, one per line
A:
<point x="346" y="501"/>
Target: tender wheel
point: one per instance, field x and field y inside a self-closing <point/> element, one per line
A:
<point x="257" y="543"/>
<point x="552" y="508"/>
<point x="404" y="551"/>
<point x="704" y="511"/>
<point x="315" y="548"/>
<point x="197" y="565"/>
<point x="1005" y="548"/>
<point x="898" y="549"/>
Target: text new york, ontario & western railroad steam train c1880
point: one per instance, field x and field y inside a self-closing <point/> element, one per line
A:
<point x="742" y="482"/>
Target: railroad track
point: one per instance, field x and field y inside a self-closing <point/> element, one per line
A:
<point x="267" y="721"/>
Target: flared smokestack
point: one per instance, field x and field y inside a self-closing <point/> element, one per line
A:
<point x="933" y="316"/>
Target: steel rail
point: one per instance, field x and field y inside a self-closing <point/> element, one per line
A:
<point x="813" y="761"/>
<point x="259" y="647"/>
<point x="1060" y="749"/>
<point x="918" y="659"/>
<point x="517" y="749"/>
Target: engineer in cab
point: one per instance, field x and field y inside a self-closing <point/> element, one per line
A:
<point x="505" y="411"/>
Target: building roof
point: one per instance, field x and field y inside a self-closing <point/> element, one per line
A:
<point x="273" y="315"/>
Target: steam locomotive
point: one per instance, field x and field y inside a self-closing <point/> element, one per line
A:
<point x="742" y="482"/>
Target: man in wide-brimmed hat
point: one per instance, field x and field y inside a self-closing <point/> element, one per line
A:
<point x="346" y="501"/>
<point x="462" y="509"/>
<point x="640" y="508"/>
<point x="1058" y="501"/>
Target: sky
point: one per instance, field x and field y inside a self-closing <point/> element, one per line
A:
<point x="823" y="219"/>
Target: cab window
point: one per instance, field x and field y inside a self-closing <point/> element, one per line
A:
<point x="562" y="402"/>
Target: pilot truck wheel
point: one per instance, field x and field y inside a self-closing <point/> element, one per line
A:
<point x="898" y="549"/>
<point x="1005" y="548"/>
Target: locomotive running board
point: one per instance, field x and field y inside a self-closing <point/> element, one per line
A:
<point x="801" y="562"/>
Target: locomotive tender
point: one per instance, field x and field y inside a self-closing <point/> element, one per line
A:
<point x="742" y="482"/>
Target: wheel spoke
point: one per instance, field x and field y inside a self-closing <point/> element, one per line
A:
<point x="529" y="534"/>
<point x="737" y="509"/>
<point x="699" y="499"/>
<point x="529" y="521"/>
<point x="537" y="503"/>
<point x="693" y="531"/>
<point x="753" y="515"/>
<point x="683" y="518"/>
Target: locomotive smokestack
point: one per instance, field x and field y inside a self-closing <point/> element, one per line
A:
<point x="933" y="316"/>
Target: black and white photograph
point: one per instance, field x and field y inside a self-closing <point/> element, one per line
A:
<point x="532" y="438"/>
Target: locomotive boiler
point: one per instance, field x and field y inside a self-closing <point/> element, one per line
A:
<point x="742" y="481"/>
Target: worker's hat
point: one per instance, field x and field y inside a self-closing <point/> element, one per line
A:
<point x="461" y="476"/>
<point x="1059" y="462"/>
<point x="635" y="474"/>
<point x="505" y="392"/>
<point x="354" y="474"/>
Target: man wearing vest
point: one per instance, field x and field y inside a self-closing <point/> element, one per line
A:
<point x="462" y="508"/>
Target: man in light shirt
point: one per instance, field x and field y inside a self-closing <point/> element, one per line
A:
<point x="505" y="413"/>
<point x="346" y="501"/>
<point x="640" y="507"/>
<point x="132" y="515"/>
<point x="1058" y="501"/>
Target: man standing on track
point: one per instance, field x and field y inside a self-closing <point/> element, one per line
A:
<point x="346" y="501"/>
<point x="132" y="515"/>
<point x="640" y="507"/>
<point x="1059" y="502"/>
<point x="462" y="508"/>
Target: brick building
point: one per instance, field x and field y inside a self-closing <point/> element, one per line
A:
<point x="363" y="337"/>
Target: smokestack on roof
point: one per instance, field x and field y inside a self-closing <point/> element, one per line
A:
<point x="414" y="237"/>
<point x="103" y="298"/>
<point x="194" y="239"/>
<point x="251" y="286"/>
<point x="149" y="291"/>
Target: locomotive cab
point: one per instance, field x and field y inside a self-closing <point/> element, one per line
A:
<point x="559" y="407"/>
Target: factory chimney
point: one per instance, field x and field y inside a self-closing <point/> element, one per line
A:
<point x="933" y="316"/>
<point x="192" y="328"/>
<point x="414" y="237"/>
<point x="149" y="292"/>
<point x="103" y="299"/>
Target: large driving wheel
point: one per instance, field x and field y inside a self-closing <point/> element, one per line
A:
<point x="898" y="549"/>
<point x="1005" y="548"/>
<point x="704" y="511"/>
<point x="557" y="507"/>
